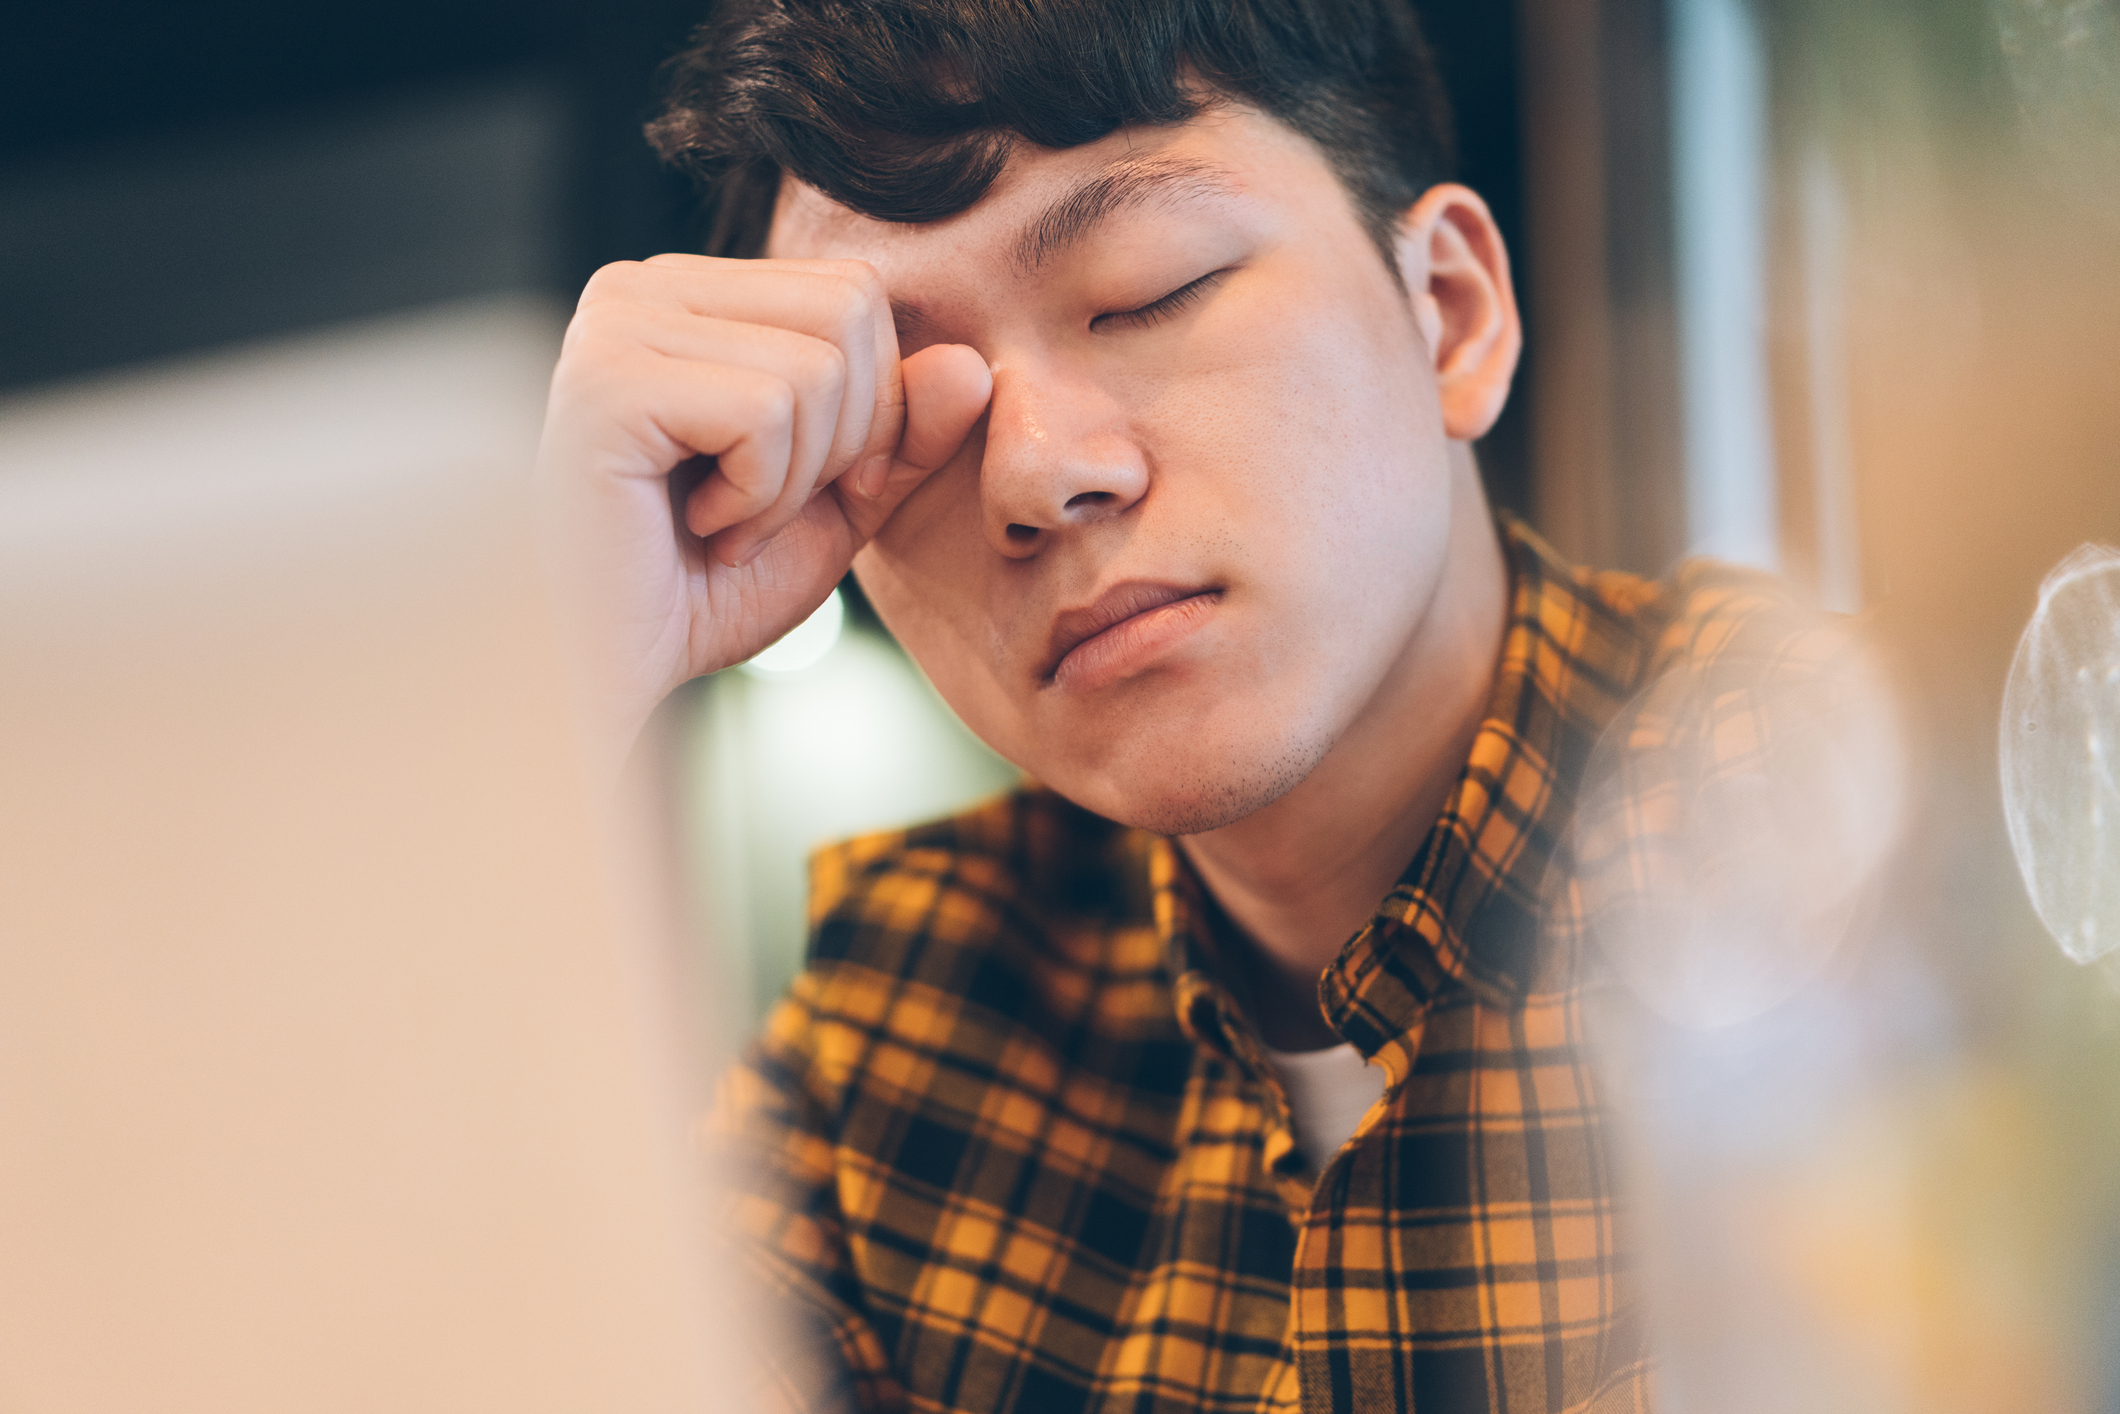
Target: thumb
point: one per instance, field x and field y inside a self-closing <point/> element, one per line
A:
<point x="946" y="391"/>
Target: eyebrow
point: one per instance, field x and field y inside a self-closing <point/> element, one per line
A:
<point x="1145" y="181"/>
<point x="1128" y="183"/>
<point x="913" y="323"/>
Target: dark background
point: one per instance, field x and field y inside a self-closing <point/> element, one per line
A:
<point x="176" y="177"/>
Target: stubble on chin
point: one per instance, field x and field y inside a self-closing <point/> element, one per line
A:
<point x="1192" y="798"/>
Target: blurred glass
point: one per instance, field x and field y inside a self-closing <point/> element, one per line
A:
<point x="2061" y="754"/>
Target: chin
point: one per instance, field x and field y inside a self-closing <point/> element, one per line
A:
<point x="1200" y="782"/>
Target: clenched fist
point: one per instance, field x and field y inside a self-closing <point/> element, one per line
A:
<point x="722" y="436"/>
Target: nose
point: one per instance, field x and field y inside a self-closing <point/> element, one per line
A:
<point x="1058" y="458"/>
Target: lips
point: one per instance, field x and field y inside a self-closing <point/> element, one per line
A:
<point x="1126" y="625"/>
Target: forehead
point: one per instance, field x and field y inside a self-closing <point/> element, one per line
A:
<point x="1046" y="197"/>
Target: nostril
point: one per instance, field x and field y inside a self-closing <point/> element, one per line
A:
<point x="1022" y="534"/>
<point x="1088" y="498"/>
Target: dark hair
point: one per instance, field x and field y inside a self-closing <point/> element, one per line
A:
<point x="905" y="110"/>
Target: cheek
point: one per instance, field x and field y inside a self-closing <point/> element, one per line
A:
<point x="929" y="576"/>
<point x="929" y="553"/>
<point x="1320" y="459"/>
<point x="919" y="606"/>
<point x="1360" y="376"/>
<point x="1311" y="428"/>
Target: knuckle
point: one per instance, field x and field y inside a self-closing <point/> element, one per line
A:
<point x="770" y="403"/>
<point x="853" y="306"/>
<point x="584" y="334"/>
<point x="864" y="277"/>
<point x="599" y="340"/>
<point x="824" y="366"/>
<point x="610" y="281"/>
<point x="855" y="269"/>
<point x="681" y="260"/>
<point x="585" y="346"/>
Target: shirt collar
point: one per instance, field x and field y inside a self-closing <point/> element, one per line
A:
<point x="1468" y="908"/>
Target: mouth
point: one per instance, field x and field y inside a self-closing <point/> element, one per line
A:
<point x="1125" y="628"/>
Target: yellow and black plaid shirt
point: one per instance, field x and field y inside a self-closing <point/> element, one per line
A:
<point x="1012" y="1145"/>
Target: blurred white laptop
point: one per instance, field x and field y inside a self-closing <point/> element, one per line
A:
<point x="338" y="1071"/>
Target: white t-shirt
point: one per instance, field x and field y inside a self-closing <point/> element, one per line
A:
<point x="1328" y="1091"/>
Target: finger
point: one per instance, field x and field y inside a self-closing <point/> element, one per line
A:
<point x="665" y="412"/>
<point x="812" y="367"/>
<point x="638" y="414"/>
<point x="739" y="543"/>
<point x="841" y="301"/>
<point x="947" y="388"/>
<point x="750" y="471"/>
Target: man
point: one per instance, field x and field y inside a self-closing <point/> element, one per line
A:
<point x="1131" y="352"/>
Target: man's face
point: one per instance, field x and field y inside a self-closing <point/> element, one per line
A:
<point x="1209" y="505"/>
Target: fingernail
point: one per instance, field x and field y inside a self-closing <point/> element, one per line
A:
<point x="874" y="473"/>
<point x="753" y="553"/>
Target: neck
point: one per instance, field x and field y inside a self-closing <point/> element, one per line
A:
<point x="1299" y="877"/>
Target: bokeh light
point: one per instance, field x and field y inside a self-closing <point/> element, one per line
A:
<point x="805" y="644"/>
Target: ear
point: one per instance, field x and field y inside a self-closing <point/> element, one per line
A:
<point x="1456" y="271"/>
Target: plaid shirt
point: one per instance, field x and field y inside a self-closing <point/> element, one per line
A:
<point x="1011" y="1145"/>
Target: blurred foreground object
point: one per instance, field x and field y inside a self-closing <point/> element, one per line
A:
<point x="1733" y="815"/>
<point x="1875" y="1143"/>
<point x="342" y="1065"/>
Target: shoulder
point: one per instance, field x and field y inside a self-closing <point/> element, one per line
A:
<point x="1716" y="615"/>
<point x="1026" y="919"/>
<point x="1739" y="675"/>
<point x="1019" y="869"/>
<point x="1704" y="613"/>
<point x="1026" y="849"/>
<point x="1734" y="661"/>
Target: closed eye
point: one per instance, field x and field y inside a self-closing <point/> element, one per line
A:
<point x="1149" y="315"/>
